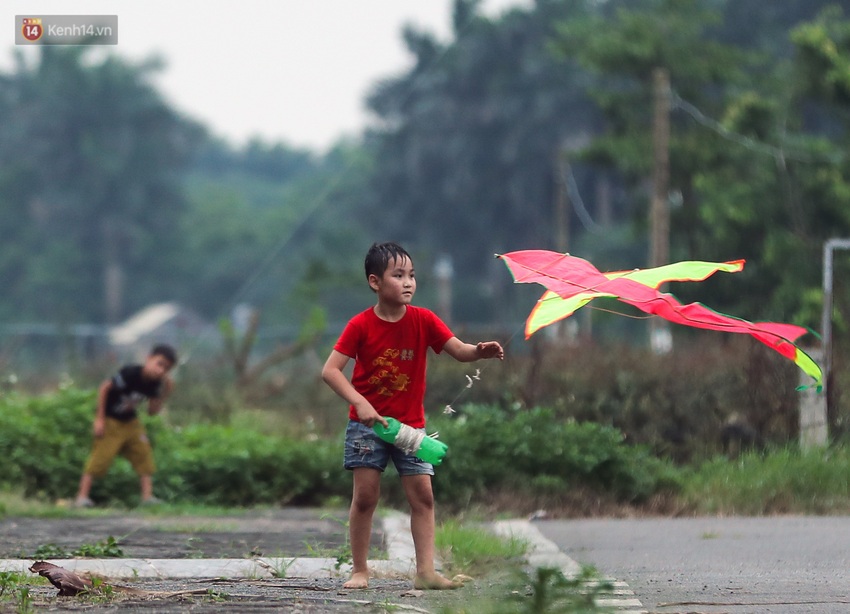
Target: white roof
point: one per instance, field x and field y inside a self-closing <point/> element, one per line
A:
<point x="143" y="322"/>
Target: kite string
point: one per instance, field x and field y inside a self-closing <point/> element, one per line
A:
<point x="409" y="439"/>
<point x="621" y="313"/>
<point x="471" y="379"/>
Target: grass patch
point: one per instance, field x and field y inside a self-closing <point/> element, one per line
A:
<point x="515" y="590"/>
<point x="181" y="508"/>
<point x="501" y="583"/>
<point x="473" y="550"/>
<point x="175" y="526"/>
<point x="107" y="548"/>
<point x="781" y="481"/>
<point x="13" y="503"/>
<point x="15" y="591"/>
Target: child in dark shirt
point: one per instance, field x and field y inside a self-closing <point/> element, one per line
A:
<point x="117" y="428"/>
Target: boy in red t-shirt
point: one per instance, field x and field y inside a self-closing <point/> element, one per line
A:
<point x="389" y="343"/>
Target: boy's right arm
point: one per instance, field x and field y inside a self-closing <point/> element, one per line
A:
<point x="100" y="415"/>
<point x="334" y="377"/>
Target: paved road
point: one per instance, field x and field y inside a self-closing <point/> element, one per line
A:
<point x="780" y="565"/>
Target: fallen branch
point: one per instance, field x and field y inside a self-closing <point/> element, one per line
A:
<point x="68" y="583"/>
<point x="71" y="584"/>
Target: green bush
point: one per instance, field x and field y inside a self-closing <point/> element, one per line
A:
<point x="533" y="452"/>
<point x="45" y="440"/>
<point x="224" y="466"/>
<point x="677" y="404"/>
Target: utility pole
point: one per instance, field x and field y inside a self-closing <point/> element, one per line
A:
<point x="562" y="218"/>
<point x="567" y="329"/>
<point x="660" y="338"/>
<point x="444" y="272"/>
<point x="113" y="272"/>
<point x="815" y="408"/>
<point x="826" y="334"/>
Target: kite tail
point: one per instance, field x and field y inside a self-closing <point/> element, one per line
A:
<point x="811" y="368"/>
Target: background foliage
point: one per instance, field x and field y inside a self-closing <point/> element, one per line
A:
<point x="227" y="465"/>
<point x="115" y="200"/>
<point x="530" y="130"/>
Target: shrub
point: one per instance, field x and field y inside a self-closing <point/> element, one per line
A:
<point x="532" y="452"/>
<point x="41" y="449"/>
<point x="44" y="443"/>
<point x="222" y="465"/>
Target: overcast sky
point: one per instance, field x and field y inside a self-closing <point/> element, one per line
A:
<point x="285" y="70"/>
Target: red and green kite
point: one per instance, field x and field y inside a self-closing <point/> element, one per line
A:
<point x="573" y="282"/>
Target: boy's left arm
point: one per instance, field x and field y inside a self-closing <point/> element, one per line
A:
<point x="156" y="403"/>
<point x="467" y="352"/>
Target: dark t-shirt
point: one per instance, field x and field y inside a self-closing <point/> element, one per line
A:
<point x="128" y="389"/>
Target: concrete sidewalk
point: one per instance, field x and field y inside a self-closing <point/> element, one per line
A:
<point x="400" y="562"/>
<point x="545" y="553"/>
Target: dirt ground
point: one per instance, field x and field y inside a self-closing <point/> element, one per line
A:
<point x="271" y="533"/>
<point x="290" y="532"/>
<point x="323" y="596"/>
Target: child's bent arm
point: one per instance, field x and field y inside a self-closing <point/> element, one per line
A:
<point x="334" y="377"/>
<point x="156" y="404"/>
<point x="467" y="352"/>
<point x="100" y="414"/>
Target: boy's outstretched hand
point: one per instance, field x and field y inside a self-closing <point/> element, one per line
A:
<point x="490" y="349"/>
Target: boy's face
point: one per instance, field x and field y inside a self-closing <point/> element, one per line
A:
<point x="156" y="367"/>
<point x="398" y="283"/>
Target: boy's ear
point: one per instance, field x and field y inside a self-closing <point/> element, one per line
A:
<point x="373" y="281"/>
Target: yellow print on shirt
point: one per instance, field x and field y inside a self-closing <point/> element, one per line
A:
<point x="387" y="379"/>
<point x="400" y="382"/>
<point x="381" y="361"/>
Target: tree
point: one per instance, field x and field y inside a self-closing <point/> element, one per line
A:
<point x="91" y="185"/>
<point x="467" y="143"/>
<point x="275" y="227"/>
<point x="744" y="167"/>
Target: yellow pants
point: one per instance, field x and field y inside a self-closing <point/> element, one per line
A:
<point x="128" y="439"/>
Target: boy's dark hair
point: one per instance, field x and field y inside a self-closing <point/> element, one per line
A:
<point x="166" y="351"/>
<point x="379" y="255"/>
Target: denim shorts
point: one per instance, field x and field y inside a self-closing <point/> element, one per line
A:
<point x="363" y="448"/>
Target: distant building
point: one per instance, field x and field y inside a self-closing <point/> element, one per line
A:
<point x="159" y="323"/>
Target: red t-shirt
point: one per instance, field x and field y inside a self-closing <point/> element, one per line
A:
<point x="390" y="360"/>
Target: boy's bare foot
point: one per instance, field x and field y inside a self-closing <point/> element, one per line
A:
<point x="83" y="502"/>
<point x="359" y="579"/>
<point x="434" y="581"/>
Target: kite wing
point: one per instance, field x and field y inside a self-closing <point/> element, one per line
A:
<point x="573" y="282"/>
<point x="552" y="307"/>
